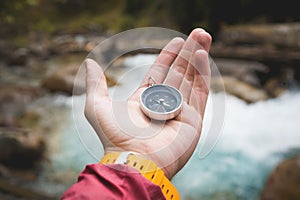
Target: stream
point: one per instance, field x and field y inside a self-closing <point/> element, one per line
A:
<point x="253" y="139"/>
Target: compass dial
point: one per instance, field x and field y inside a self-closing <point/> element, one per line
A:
<point x="161" y="102"/>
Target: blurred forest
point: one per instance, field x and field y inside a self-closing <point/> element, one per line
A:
<point x="20" y="17"/>
<point x="256" y="48"/>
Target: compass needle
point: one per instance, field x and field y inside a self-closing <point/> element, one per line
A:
<point x="165" y="104"/>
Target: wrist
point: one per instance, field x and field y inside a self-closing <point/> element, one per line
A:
<point x="146" y="167"/>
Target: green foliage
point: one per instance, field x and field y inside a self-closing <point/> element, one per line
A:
<point x="19" y="17"/>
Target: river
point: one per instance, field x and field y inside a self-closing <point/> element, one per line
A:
<point x="253" y="139"/>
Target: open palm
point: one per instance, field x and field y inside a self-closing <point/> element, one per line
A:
<point x="122" y="126"/>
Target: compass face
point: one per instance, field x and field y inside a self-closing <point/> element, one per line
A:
<point x="161" y="102"/>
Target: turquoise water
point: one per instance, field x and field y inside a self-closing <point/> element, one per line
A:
<point x="253" y="140"/>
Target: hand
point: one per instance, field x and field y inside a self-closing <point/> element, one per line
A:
<point x="121" y="126"/>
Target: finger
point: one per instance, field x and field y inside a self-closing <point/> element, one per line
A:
<point x="96" y="94"/>
<point x="187" y="83"/>
<point x="188" y="80"/>
<point x="96" y="85"/>
<point x="178" y="70"/>
<point x="160" y="67"/>
<point x="201" y="83"/>
<point x="204" y="40"/>
<point x="96" y="89"/>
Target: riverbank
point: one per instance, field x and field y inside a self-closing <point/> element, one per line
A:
<point x="35" y="99"/>
<point x="253" y="56"/>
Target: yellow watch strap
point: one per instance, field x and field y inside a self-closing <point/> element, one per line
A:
<point x="147" y="168"/>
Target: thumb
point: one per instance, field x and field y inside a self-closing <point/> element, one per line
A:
<point x="96" y="86"/>
<point x="96" y="90"/>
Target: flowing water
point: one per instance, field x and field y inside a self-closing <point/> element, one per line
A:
<point x="253" y="140"/>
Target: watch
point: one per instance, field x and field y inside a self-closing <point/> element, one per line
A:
<point x="161" y="102"/>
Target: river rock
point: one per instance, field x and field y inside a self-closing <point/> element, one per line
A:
<point x="67" y="44"/>
<point x="16" y="191"/>
<point x="74" y="43"/>
<point x="269" y="34"/>
<point x="284" y="80"/>
<point x="39" y="44"/>
<point x="284" y="181"/>
<point x="243" y="70"/>
<point x="20" y="148"/>
<point x="18" y="57"/>
<point x="63" y="80"/>
<point x="274" y="87"/>
<point x="240" y="89"/>
<point x="275" y="45"/>
<point x="67" y="78"/>
<point x="13" y="100"/>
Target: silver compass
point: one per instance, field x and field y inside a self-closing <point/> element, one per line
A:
<point x="161" y="102"/>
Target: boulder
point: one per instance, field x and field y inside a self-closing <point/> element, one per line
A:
<point x="275" y="45"/>
<point x="13" y="100"/>
<point x="240" y="89"/>
<point x="285" y="80"/>
<point x="276" y="34"/>
<point x="16" y="191"/>
<point x="243" y="70"/>
<point x="20" y="148"/>
<point x="74" y="43"/>
<point x="259" y="52"/>
<point x="63" y="80"/>
<point x="284" y="181"/>
<point x="18" y="57"/>
<point x="70" y="80"/>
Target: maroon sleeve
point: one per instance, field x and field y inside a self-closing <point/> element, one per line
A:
<point x="112" y="182"/>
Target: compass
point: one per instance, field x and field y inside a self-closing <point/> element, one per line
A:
<point x="161" y="102"/>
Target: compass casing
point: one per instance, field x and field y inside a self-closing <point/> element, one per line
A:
<point x="166" y="91"/>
